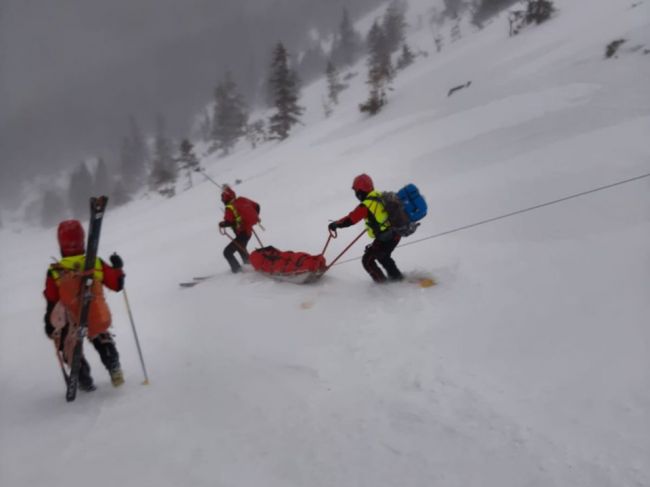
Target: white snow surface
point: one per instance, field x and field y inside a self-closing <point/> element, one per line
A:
<point x="528" y="364"/>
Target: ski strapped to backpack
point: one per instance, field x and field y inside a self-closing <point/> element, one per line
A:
<point x="405" y="209"/>
<point x="97" y="208"/>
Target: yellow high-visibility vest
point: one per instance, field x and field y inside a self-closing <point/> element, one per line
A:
<point x="378" y="211"/>
<point x="76" y="263"/>
<point x="236" y="213"/>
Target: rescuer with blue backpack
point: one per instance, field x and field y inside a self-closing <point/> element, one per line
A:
<point x="389" y="217"/>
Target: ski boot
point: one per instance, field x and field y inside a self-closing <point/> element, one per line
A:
<point x="117" y="377"/>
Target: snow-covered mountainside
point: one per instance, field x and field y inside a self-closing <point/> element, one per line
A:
<point x="527" y="364"/>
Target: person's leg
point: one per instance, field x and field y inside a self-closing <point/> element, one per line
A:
<point x="229" y="254"/>
<point x="105" y="346"/>
<point x="386" y="260"/>
<point x="369" y="262"/>
<point x="242" y="241"/>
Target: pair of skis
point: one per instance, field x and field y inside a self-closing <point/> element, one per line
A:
<point x="97" y="208"/>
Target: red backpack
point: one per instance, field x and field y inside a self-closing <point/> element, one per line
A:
<point x="247" y="211"/>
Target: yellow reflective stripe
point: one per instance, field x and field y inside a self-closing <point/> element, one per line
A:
<point x="76" y="263"/>
<point x="234" y="212"/>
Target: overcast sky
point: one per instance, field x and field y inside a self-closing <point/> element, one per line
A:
<point x="72" y="71"/>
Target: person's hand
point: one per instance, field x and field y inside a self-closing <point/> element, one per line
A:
<point x="223" y="224"/>
<point x="116" y="261"/>
<point x="49" y="329"/>
<point x="332" y="226"/>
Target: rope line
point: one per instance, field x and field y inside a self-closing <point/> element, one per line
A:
<point x="513" y="213"/>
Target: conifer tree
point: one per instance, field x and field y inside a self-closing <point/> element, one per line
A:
<point x="79" y="190"/>
<point x="163" y="169"/>
<point x="380" y="70"/>
<point x="538" y="11"/>
<point x="394" y="25"/>
<point x="334" y="84"/>
<point x="348" y="45"/>
<point x="230" y="117"/>
<point x="284" y="86"/>
<point x="134" y="158"/>
<point x="187" y="161"/>
<point x="484" y="9"/>
<point x="406" y="57"/>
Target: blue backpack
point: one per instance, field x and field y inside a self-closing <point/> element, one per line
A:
<point x="404" y="209"/>
<point x="414" y="204"/>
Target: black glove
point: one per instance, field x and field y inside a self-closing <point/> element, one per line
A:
<point x="224" y="224"/>
<point x="116" y="261"/>
<point x="333" y="226"/>
<point x="49" y="329"/>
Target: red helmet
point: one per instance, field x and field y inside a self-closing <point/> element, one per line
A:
<point x="71" y="238"/>
<point x="363" y="182"/>
<point x="227" y="194"/>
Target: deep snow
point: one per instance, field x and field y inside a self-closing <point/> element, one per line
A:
<point x="528" y="364"/>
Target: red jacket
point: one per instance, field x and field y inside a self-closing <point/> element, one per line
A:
<point x="113" y="279"/>
<point x="355" y="216"/>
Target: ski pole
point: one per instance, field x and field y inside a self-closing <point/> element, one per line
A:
<point x="345" y="250"/>
<point x="135" y="335"/>
<point x="258" y="239"/>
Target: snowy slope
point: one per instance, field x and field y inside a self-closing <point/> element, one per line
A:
<point x="528" y="364"/>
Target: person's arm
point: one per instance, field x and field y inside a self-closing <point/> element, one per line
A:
<point x="114" y="275"/>
<point x="51" y="293"/>
<point x="355" y="216"/>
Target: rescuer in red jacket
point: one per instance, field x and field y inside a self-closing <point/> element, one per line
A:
<point x="62" y="296"/>
<point x="385" y="240"/>
<point x="241" y="215"/>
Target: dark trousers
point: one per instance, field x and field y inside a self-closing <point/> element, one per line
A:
<point x="237" y="245"/>
<point x="105" y="346"/>
<point x="380" y="251"/>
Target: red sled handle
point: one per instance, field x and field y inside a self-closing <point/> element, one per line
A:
<point x="344" y="250"/>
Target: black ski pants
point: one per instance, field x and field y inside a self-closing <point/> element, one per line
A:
<point x="105" y="346"/>
<point x="380" y="251"/>
<point x="237" y="245"/>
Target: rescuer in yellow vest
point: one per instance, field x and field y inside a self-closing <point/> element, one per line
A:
<point x="385" y="240"/>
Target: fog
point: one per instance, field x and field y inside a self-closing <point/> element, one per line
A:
<point x="72" y="71"/>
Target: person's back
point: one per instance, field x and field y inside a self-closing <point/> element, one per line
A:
<point x="62" y="285"/>
<point x="241" y="214"/>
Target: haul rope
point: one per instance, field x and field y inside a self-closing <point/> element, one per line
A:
<point x="513" y="213"/>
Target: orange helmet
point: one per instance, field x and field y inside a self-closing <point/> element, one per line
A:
<point x="363" y="183"/>
<point x="227" y="194"/>
<point x="71" y="238"/>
